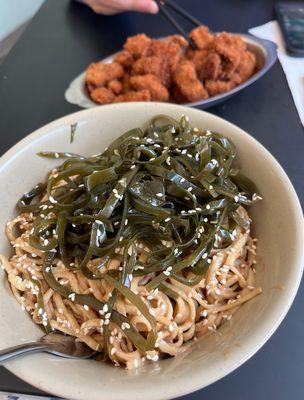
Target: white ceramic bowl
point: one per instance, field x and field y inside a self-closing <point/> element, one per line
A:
<point x="277" y="221"/>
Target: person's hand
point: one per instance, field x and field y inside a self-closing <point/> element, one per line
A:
<point x="110" y="7"/>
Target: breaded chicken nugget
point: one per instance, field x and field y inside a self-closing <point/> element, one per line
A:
<point x="178" y="39"/>
<point x="138" y="45"/>
<point x="217" y="87"/>
<point x="124" y="58"/>
<point x="170" y="50"/>
<point x="102" y="95"/>
<point x="149" y="82"/>
<point x="188" y="83"/>
<point x="230" y="47"/>
<point x="99" y="74"/>
<point x="246" y="66"/>
<point x="202" y="37"/>
<point x="142" y="95"/>
<point x="150" y="65"/>
<point x="207" y="63"/>
<point x="115" y="86"/>
<point x="126" y="85"/>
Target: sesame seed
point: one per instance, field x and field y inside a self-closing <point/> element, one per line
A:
<point x="105" y="308"/>
<point x="208" y="206"/>
<point x="132" y="166"/>
<point x="159" y="194"/>
<point x="236" y="198"/>
<point x="71" y="296"/>
<point x="52" y="200"/>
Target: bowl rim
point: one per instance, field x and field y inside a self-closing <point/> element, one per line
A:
<point x="193" y="384"/>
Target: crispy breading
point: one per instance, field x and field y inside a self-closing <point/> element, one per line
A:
<point x="141" y="95"/>
<point x="150" y="65"/>
<point x="149" y="82"/>
<point x="218" y="86"/>
<point x="188" y="83"/>
<point x="202" y="37"/>
<point x="208" y="64"/>
<point x="176" y="95"/>
<point x="124" y="58"/>
<point x="231" y="47"/>
<point x="138" y="45"/>
<point x="115" y="86"/>
<point x="246" y="66"/>
<point x="99" y="74"/>
<point x="126" y="85"/>
<point x="102" y="95"/>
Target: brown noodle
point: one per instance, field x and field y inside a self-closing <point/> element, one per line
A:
<point x="199" y="310"/>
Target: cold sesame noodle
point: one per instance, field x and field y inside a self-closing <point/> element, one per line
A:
<point x="139" y="249"/>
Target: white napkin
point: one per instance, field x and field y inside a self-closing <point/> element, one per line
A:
<point x="293" y="67"/>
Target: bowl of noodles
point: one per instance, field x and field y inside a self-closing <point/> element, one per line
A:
<point x="146" y="231"/>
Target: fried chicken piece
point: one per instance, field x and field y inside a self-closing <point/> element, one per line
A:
<point x="245" y="68"/>
<point x="99" y="74"/>
<point x="102" y="95"/>
<point x="202" y="37"/>
<point x="170" y="50"/>
<point x="149" y="82"/>
<point x="229" y="46"/>
<point x="212" y="67"/>
<point x="138" y="45"/>
<point x="178" y="39"/>
<point x="207" y="64"/>
<point x="126" y="85"/>
<point x="150" y="65"/>
<point x="124" y="58"/>
<point x="115" y="86"/>
<point x="219" y="86"/>
<point x="176" y="95"/>
<point x="188" y="83"/>
<point x="141" y="95"/>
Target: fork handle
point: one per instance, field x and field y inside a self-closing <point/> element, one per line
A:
<point x="20" y="350"/>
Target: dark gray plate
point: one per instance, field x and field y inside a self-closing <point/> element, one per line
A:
<point x="266" y="55"/>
